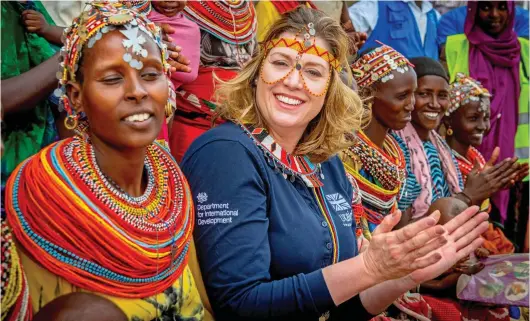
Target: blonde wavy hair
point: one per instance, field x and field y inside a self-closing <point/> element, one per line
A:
<point x="342" y="112"/>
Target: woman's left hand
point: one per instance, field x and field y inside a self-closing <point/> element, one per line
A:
<point x="463" y="237"/>
<point x="177" y="61"/>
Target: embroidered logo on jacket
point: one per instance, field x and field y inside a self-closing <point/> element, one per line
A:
<point x="338" y="202"/>
<point x="202" y="197"/>
<point x="341" y="207"/>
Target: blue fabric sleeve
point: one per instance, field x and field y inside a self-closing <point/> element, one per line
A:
<point x="234" y="252"/>
<point x="451" y="23"/>
<point x="521" y="26"/>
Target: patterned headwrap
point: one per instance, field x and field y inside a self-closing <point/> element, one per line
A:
<point x="88" y="28"/>
<point x="378" y="64"/>
<point x="465" y="89"/>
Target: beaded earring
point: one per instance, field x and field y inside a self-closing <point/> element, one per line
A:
<point x="449" y="131"/>
<point x="71" y="121"/>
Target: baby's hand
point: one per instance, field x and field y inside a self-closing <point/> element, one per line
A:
<point x="469" y="269"/>
<point x="482" y="253"/>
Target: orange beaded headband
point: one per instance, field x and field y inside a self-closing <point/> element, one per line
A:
<point x="378" y="64"/>
<point x="306" y="47"/>
<point x="302" y="49"/>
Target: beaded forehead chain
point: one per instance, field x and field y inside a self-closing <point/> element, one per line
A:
<point x="307" y="46"/>
<point x="465" y="89"/>
<point x="378" y="64"/>
<point x="89" y="27"/>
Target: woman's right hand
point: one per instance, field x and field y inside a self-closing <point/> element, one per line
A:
<point x="394" y="254"/>
<point x="481" y="184"/>
<point x="417" y="249"/>
<point x="463" y="235"/>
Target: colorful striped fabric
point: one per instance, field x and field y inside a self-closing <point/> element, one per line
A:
<point x="411" y="188"/>
<point x="440" y="188"/>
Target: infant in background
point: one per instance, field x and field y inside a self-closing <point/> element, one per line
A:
<point x="449" y="207"/>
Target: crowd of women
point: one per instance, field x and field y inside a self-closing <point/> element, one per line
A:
<point x="157" y="164"/>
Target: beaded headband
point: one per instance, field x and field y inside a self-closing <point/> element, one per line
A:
<point x="88" y="28"/>
<point x="304" y="48"/>
<point x="465" y="89"/>
<point x="307" y="46"/>
<point x="378" y="64"/>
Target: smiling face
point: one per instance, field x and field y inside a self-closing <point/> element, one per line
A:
<point x="124" y="106"/>
<point x="492" y="16"/>
<point x="470" y="123"/>
<point x="394" y="100"/>
<point x="169" y="8"/>
<point x="285" y="95"/>
<point x="432" y="100"/>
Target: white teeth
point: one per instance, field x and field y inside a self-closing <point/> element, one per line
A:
<point x="431" y="115"/>
<point x="289" y="101"/>
<point x="138" y="117"/>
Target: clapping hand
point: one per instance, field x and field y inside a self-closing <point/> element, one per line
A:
<point x="394" y="254"/>
<point x="463" y="237"/>
<point x="482" y="183"/>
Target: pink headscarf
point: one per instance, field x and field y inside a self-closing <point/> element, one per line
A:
<point x="420" y="167"/>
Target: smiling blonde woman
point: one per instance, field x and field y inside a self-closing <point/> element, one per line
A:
<point x="274" y="232"/>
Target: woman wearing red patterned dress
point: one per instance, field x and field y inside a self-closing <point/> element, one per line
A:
<point x="225" y="47"/>
<point x="376" y="160"/>
<point x="467" y="121"/>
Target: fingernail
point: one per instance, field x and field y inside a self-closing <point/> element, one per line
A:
<point x="178" y="48"/>
<point x="440" y="230"/>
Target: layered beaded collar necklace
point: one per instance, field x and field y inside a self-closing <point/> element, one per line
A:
<point x="386" y="165"/>
<point x="15" y="291"/>
<point x="138" y="211"/>
<point x="76" y="224"/>
<point x="232" y="21"/>
<point x="466" y="163"/>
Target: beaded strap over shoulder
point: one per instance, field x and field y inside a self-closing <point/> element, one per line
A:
<point x="291" y="166"/>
